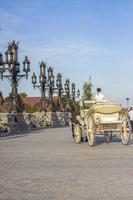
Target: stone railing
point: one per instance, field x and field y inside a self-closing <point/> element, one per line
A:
<point x="14" y="122"/>
<point x="3" y="125"/>
<point x="23" y="122"/>
<point x="53" y="119"/>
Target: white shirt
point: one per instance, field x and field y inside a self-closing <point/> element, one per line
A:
<point x="99" y="97"/>
<point x="130" y="113"/>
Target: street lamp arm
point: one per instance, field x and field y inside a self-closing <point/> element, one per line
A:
<point x="20" y="77"/>
<point x="39" y="86"/>
<point x="9" y="78"/>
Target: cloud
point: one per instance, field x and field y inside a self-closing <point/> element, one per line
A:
<point x="68" y="50"/>
<point x="8" y="24"/>
<point x="8" y="36"/>
<point x="7" y="18"/>
<point x="71" y="58"/>
<point x="37" y="3"/>
<point x="66" y="56"/>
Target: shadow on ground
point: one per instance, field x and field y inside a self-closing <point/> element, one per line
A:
<point x="12" y="136"/>
<point x="115" y="139"/>
<point x="7" y="135"/>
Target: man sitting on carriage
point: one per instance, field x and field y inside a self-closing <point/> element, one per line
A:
<point x="99" y="97"/>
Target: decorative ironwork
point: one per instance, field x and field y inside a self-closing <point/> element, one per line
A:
<point x="12" y="67"/>
<point x="78" y="93"/>
<point x="42" y="85"/>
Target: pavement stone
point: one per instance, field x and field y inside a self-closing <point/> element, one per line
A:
<point x="48" y="165"/>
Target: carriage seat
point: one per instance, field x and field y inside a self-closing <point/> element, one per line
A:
<point x="106" y="108"/>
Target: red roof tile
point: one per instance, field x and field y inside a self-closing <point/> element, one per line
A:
<point x="31" y="100"/>
<point x="34" y="100"/>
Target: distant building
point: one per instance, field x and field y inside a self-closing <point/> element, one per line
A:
<point x="31" y="100"/>
<point x="35" y="100"/>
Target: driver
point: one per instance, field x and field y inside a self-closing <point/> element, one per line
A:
<point x="99" y="97"/>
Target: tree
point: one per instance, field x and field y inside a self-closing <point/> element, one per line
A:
<point x="87" y="89"/>
<point x="31" y="108"/>
<point x="20" y="96"/>
<point x="23" y="94"/>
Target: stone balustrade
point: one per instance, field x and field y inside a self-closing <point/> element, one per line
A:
<point x="24" y="122"/>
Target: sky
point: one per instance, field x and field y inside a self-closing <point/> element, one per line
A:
<point x="78" y="38"/>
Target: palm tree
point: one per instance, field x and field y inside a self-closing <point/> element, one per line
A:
<point x="87" y="91"/>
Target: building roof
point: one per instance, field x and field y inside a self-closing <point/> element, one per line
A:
<point x="34" y="100"/>
<point x="31" y="100"/>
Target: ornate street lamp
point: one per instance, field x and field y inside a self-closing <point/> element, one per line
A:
<point x="34" y="80"/>
<point x="127" y="99"/>
<point x="59" y="84"/>
<point x="50" y="83"/>
<point x="73" y="91"/>
<point x="2" y="66"/>
<point x="78" y="93"/>
<point x="42" y="85"/>
<point x="12" y="66"/>
<point x="59" y="88"/>
<point x="26" y="66"/>
<point x="67" y="88"/>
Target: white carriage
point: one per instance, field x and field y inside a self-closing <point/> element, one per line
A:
<point x="101" y="118"/>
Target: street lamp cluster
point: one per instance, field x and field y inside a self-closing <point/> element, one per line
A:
<point x="10" y="69"/>
<point x="47" y="84"/>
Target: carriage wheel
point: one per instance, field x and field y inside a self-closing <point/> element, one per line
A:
<point x="77" y="133"/>
<point x="126" y="130"/>
<point x="91" y="132"/>
<point x="108" y="137"/>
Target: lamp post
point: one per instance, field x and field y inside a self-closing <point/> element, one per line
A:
<point x="50" y="83"/>
<point x="12" y="66"/>
<point x="67" y="88"/>
<point x="73" y="91"/>
<point x="59" y="85"/>
<point x="59" y="89"/>
<point x="78" y="93"/>
<point x="42" y="85"/>
<point x="127" y="99"/>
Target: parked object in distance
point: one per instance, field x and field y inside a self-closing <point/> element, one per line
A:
<point x="103" y="118"/>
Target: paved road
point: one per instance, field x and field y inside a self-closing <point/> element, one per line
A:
<point x="49" y="165"/>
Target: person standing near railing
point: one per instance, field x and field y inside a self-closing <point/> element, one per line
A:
<point x="130" y="114"/>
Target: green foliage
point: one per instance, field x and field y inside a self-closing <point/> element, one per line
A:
<point x="87" y="89"/>
<point x="20" y="96"/>
<point x="8" y="98"/>
<point x="63" y="102"/>
<point x="23" y="94"/>
<point x="31" y="108"/>
<point x="20" y="103"/>
<point x="63" y="99"/>
<point x="77" y="106"/>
